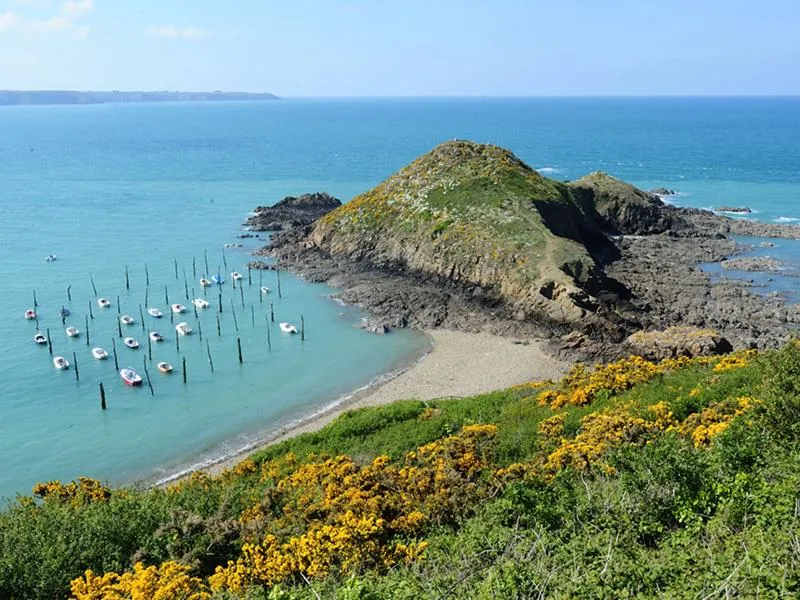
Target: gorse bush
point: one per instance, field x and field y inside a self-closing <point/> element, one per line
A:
<point x="633" y="479"/>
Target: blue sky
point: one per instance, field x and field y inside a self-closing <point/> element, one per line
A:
<point x="404" y="48"/>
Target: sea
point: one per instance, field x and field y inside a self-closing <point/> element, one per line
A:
<point x="139" y="201"/>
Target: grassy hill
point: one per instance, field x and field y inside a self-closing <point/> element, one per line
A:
<point x="636" y="479"/>
<point x="475" y="214"/>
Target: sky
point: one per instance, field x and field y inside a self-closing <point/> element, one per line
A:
<point x="404" y="48"/>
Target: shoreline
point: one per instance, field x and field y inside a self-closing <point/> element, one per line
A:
<point x="475" y="363"/>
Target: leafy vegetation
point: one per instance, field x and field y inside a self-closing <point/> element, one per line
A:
<point x="677" y="479"/>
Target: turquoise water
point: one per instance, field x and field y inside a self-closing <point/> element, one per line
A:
<point x="107" y="186"/>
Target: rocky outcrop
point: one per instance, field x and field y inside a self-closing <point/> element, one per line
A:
<point x="625" y="209"/>
<point x="752" y="263"/>
<point x="469" y="237"/>
<point x="677" y="341"/>
<point x="292" y="212"/>
<point x="733" y="209"/>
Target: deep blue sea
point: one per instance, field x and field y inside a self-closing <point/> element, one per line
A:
<point x="109" y="186"/>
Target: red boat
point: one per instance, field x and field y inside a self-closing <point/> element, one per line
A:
<point x="130" y="377"/>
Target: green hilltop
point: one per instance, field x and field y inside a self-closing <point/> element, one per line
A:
<point x="476" y="214"/>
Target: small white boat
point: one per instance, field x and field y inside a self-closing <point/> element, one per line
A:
<point x="288" y="328"/>
<point x="183" y="328"/>
<point x="40" y="338"/>
<point x="130" y="343"/>
<point x="156" y="337"/>
<point x="60" y="363"/>
<point x="205" y="282"/>
<point x="228" y="245"/>
<point x="178" y="308"/>
<point x="50" y="258"/>
<point x="200" y="302"/>
<point x="154" y="312"/>
<point x="236" y="276"/>
<point x="30" y="314"/>
<point x="103" y="302"/>
<point x="99" y="353"/>
<point x="265" y="289"/>
<point x="164" y="367"/>
<point x="126" y="320"/>
<point x="130" y="376"/>
<point x="73" y="331"/>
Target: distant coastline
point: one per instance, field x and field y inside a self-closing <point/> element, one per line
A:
<point x="43" y="97"/>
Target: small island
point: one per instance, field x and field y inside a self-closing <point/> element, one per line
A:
<point x="42" y="97"/>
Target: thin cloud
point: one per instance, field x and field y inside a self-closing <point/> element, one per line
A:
<point x="51" y="25"/>
<point x="77" y="7"/>
<point x="172" y="32"/>
<point x="9" y="20"/>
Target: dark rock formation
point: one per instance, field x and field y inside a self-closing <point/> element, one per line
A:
<point x="292" y="212"/>
<point x="733" y="209"/>
<point x="662" y="191"/>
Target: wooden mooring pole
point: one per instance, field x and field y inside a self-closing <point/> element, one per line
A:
<point x="102" y="397"/>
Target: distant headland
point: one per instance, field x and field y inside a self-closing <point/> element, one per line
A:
<point x="30" y="97"/>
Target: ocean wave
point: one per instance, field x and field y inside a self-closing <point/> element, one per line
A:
<point x="787" y="220"/>
<point x="548" y="170"/>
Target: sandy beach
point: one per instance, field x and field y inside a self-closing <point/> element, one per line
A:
<point x="460" y="364"/>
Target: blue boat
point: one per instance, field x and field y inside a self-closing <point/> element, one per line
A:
<point x="65" y="311"/>
<point x="218" y="279"/>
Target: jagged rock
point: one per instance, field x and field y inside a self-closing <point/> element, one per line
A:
<point x="679" y="341"/>
<point x="733" y="209"/>
<point x="292" y="212"/>
<point x="662" y="191"/>
<point x="752" y="263"/>
<point x="625" y="209"/>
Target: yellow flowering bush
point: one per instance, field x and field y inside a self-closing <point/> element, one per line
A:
<point x="170" y="581"/>
<point x="580" y="386"/>
<point x="341" y="515"/>
<point x="736" y="360"/>
<point x="702" y="427"/>
<point x="80" y="492"/>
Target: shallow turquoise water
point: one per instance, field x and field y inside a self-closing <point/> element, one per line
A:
<point x="108" y="186"/>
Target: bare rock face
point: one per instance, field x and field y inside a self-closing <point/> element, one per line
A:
<point x="292" y="213"/>
<point x="678" y="341"/>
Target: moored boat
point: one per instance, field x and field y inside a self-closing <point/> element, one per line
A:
<point x="131" y="343"/>
<point x="288" y="328"/>
<point x="30" y="314"/>
<point x="130" y="376"/>
<point x="64" y="312"/>
<point x="164" y="367"/>
<point x="178" y="308"/>
<point x="103" y="302"/>
<point x="154" y="312"/>
<point x="72" y="331"/>
<point x="40" y="338"/>
<point x="236" y="276"/>
<point x="205" y="282"/>
<point x="265" y="289"/>
<point x="200" y="302"/>
<point x="183" y="328"/>
<point x="156" y="337"/>
<point x="50" y="258"/>
<point x="218" y="279"/>
<point x="126" y="320"/>
<point x="99" y="353"/>
<point x="60" y="363"/>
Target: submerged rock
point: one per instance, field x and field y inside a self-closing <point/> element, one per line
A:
<point x="752" y="263"/>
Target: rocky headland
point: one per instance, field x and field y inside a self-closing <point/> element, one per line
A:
<point x="468" y="237"/>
